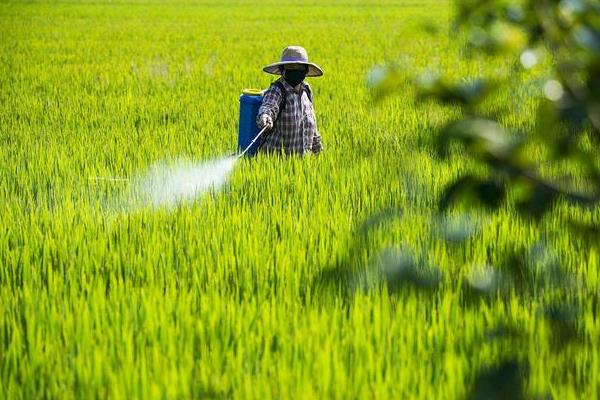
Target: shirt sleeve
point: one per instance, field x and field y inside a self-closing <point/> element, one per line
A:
<point x="270" y="103"/>
<point x="317" y="145"/>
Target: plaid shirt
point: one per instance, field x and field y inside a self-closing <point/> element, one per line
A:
<point x="295" y="130"/>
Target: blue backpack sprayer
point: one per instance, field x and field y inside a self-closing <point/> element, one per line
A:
<point x="248" y="132"/>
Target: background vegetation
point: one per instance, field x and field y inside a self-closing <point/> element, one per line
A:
<point x="272" y="287"/>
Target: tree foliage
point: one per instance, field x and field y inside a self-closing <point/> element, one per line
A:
<point x="566" y="126"/>
<point x="568" y="111"/>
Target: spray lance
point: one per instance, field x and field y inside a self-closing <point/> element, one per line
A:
<point x="258" y="135"/>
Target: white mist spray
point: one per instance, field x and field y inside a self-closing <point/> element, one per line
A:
<point x="169" y="184"/>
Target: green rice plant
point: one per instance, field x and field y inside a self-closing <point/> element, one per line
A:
<point x="224" y="296"/>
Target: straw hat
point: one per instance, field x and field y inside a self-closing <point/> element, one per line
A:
<point x="294" y="55"/>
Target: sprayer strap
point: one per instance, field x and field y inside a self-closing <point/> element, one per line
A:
<point x="308" y="92"/>
<point x="282" y="102"/>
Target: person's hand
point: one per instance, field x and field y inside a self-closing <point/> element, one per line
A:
<point x="266" y="120"/>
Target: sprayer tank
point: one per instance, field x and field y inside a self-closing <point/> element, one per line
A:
<point x="250" y="102"/>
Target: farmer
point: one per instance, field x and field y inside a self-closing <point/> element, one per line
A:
<point x="287" y="110"/>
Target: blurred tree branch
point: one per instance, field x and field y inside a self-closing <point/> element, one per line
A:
<point x="566" y="127"/>
<point x="569" y="101"/>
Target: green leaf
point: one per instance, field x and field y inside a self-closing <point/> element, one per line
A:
<point x="470" y="189"/>
<point x="467" y="93"/>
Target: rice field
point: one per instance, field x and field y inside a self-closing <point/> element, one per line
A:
<point x="243" y="292"/>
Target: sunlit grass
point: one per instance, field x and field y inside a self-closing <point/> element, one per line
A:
<point x="223" y="296"/>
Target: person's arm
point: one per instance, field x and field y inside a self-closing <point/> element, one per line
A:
<point x="317" y="145"/>
<point x="269" y="106"/>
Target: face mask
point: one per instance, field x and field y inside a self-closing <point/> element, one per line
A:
<point x="294" y="76"/>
